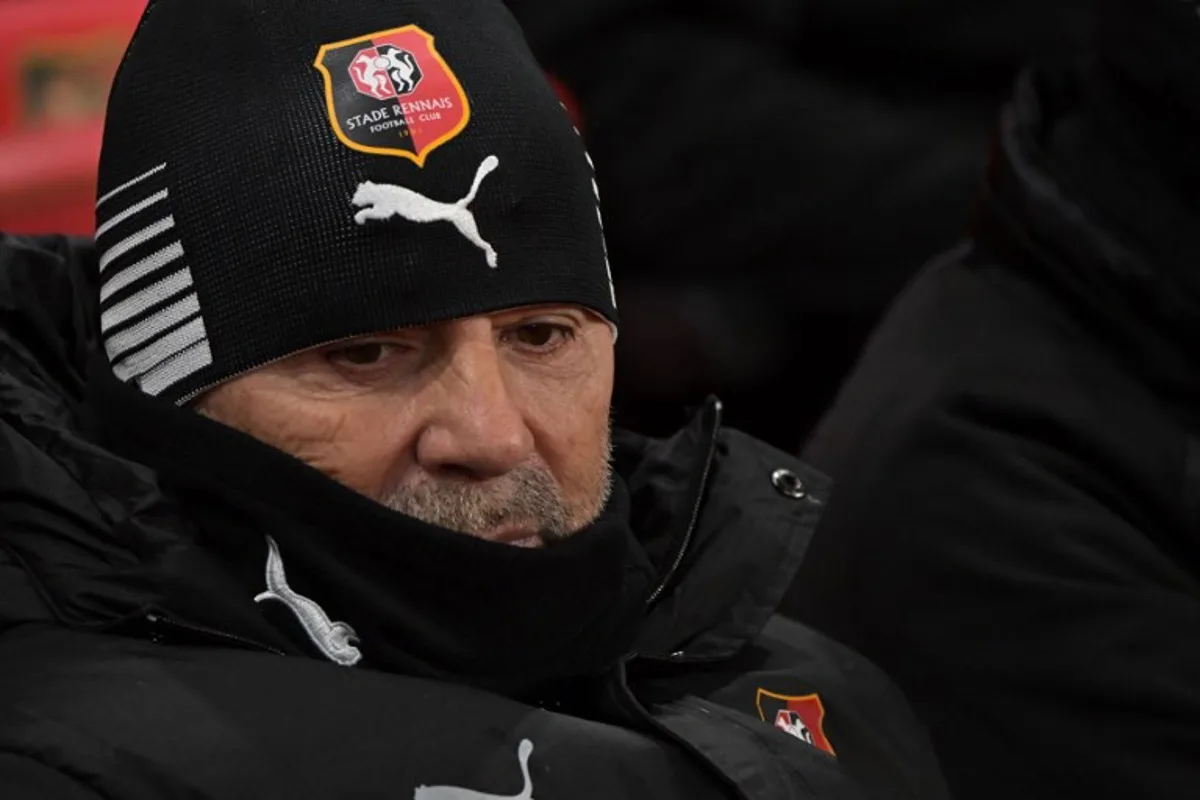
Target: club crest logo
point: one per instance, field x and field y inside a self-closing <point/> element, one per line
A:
<point x="801" y="717"/>
<point x="392" y="93"/>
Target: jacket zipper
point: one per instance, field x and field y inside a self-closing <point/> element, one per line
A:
<point x="158" y="620"/>
<point x="718" y="408"/>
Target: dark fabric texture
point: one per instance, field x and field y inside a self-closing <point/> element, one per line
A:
<point x="775" y="171"/>
<point x="261" y="190"/>
<point x="135" y="663"/>
<point x="25" y="777"/>
<point x="1017" y="457"/>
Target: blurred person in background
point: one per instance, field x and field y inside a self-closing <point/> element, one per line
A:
<point x="1014" y="532"/>
<point x="307" y="481"/>
<point x="775" y="170"/>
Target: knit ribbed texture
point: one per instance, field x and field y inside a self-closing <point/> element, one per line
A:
<point x="229" y="191"/>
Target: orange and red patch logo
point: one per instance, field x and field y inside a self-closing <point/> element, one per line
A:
<point x="392" y="93"/>
<point x="802" y="717"/>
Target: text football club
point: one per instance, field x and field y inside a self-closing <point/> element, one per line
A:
<point x="392" y="93"/>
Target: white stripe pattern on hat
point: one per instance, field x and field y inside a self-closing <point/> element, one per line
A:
<point x="129" y="212"/>
<point x="141" y="237"/>
<point x="152" y="355"/>
<point x="144" y="176"/>
<point x="156" y="335"/>
<point x="154" y="325"/>
<point x="135" y="272"/>
<point x="182" y="365"/>
<point x="144" y="300"/>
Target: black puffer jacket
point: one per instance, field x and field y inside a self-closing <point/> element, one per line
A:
<point x="110" y="688"/>
<point x="1015" y="533"/>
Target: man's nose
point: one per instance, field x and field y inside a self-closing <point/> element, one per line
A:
<point x="476" y="428"/>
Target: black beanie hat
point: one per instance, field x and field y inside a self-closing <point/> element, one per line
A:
<point x="282" y="174"/>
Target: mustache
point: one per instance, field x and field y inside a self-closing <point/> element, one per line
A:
<point x="527" y="496"/>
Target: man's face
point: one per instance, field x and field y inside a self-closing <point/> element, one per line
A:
<point x="496" y="426"/>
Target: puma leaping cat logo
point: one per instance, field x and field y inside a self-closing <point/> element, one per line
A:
<point x="335" y="640"/>
<point x="381" y="201"/>
<point x="524" y="751"/>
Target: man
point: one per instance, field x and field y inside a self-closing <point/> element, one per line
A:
<point x="1014" y="530"/>
<point x="305" y="475"/>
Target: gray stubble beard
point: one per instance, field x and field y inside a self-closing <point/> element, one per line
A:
<point x="528" y="495"/>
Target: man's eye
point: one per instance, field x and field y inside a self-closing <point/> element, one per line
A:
<point x="543" y="335"/>
<point x="359" y="355"/>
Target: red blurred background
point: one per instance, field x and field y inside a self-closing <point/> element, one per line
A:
<point x="57" y="61"/>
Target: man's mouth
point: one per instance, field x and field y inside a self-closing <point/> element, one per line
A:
<point x="515" y="535"/>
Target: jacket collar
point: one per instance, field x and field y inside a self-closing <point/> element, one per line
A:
<point x="711" y="508"/>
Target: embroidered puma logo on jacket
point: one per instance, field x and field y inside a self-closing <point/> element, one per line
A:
<point x="335" y="640"/>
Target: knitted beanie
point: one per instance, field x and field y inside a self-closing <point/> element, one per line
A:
<point x="282" y="174"/>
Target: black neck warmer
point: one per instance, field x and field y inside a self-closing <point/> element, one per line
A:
<point x="422" y="600"/>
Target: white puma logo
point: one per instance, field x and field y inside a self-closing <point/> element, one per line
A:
<point x="381" y="201"/>
<point x="524" y="751"/>
<point x="335" y="639"/>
